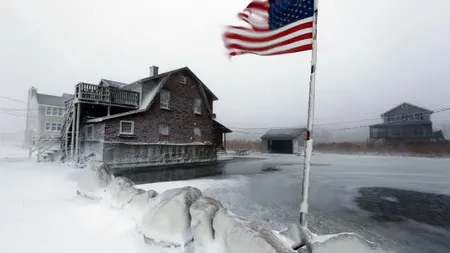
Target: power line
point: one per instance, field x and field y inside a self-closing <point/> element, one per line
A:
<point x="12" y="99"/>
<point x="434" y="111"/>
<point x="328" y="124"/>
<point x="14" y="114"/>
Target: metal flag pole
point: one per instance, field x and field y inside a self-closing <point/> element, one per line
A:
<point x="309" y="128"/>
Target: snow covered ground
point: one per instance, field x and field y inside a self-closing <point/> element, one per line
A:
<point x="41" y="212"/>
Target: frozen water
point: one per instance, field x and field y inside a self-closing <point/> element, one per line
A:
<point x="167" y="216"/>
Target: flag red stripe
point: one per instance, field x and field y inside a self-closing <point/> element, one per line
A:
<point x="263" y="6"/>
<point x="288" y="51"/>
<point x="231" y="35"/>
<point x="283" y="43"/>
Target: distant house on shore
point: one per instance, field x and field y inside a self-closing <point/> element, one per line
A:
<point x="45" y="116"/>
<point x="285" y="141"/>
<point x="405" y="122"/>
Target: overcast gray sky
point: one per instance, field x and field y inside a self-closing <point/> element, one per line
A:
<point x="372" y="55"/>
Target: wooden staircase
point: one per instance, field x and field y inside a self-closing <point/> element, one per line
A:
<point x="66" y="130"/>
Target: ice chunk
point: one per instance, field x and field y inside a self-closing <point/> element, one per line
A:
<point x="119" y="192"/>
<point x="234" y="234"/>
<point x="93" y="180"/>
<point x="137" y="206"/>
<point x="167" y="216"/>
<point x="202" y="213"/>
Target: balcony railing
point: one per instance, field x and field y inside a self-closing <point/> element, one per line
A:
<point x="110" y="95"/>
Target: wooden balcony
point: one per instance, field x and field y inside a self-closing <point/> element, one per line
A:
<point x="107" y="95"/>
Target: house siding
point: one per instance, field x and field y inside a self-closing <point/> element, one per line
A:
<point x="180" y="118"/>
<point x="42" y="118"/>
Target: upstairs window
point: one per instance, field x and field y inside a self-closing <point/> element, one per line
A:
<point x="183" y="80"/>
<point x="54" y="111"/>
<point x="164" y="99"/>
<point x="126" y="127"/>
<point x="164" y="132"/>
<point x="197" y="135"/>
<point x="198" y="106"/>
<point x="89" y="132"/>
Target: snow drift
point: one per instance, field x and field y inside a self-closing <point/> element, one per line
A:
<point x="167" y="216"/>
<point x="119" y="192"/>
<point x="93" y="180"/>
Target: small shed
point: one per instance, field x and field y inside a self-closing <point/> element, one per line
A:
<point x="283" y="141"/>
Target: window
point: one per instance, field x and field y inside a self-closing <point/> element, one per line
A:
<point x="164" y="132"/>
<point x="89" y="132"/>
<point x="183" y="80"/>
<point x="48" y="111"/>
<point x="53" y="126"/>
<point x="410" y="116"/>
<point x="197" y="135"/>
<point x="198" y="106"/>
<point x="404" y="106"/>
<point x="54" y="111"/>
<point x="164" y="99"/>
<point x="404" y="117"/>
<point x="126" y="127"/>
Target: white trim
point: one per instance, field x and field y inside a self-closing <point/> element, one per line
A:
<point x="86" y="136"/>
<point x="126" y="121"/>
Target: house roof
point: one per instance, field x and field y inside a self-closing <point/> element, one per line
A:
<point x="406" y="104"/>
<point x="147" y="101"/>
<point x="224" y="129"/>
<point x="284" y="133"/>
<point x="110" y="83"/>
<point x="44" y="99"/>
<point x="176" y="71"/>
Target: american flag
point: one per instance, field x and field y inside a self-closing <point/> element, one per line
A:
<point x="276" y="27"/>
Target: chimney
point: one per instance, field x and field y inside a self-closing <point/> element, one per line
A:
<point x="154" y="71"/>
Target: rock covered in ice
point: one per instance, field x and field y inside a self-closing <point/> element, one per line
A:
<point x="234" y="234"/>
<point x="93" y="180"/>
<point x="137" y="206"/>
<point x="202" y="213"/>
<point x="167" y="217"/>
<point x="120" y="191"/>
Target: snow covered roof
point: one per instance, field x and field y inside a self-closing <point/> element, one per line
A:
<point x="110" y="83"/>
<point x="283" y="133"/>
<point x="147" y="100"/>
<point x="44" y="99"/>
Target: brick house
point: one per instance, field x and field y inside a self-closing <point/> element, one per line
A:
<point x="170" y="119"/>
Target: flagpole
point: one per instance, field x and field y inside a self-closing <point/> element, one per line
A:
<point x="309" y="127"/>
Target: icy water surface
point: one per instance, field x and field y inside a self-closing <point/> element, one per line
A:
<point x="401" y="203"/>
